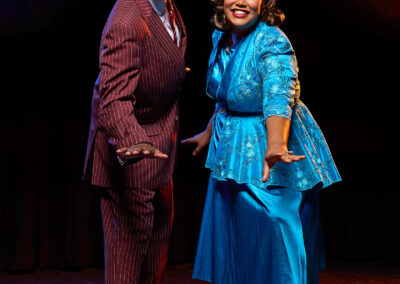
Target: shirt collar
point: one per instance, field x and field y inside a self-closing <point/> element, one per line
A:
<point x="158" y="6"/>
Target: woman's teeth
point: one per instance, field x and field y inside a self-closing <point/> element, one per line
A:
<point x="240" y="12"/>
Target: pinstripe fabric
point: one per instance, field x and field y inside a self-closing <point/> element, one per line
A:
<point x="136" y="243"/>
<point x="135" y="97"/>
<point x="135" y="100"/>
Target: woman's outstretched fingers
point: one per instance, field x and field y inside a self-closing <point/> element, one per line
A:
<point x="266" y="171"/>
<point x="188" y="141"/>
<point x="197" y="150"/>
<point x="296" y="158"/>
<point x="201" y="140"/>
<point x="288" y="159"/>
<point x="194" y="140"/>
<point x="271" y="159"/>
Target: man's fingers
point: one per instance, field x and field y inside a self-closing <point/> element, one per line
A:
<point x="137" y="151"/>
<point x="122" y="150"/>
<point x="134" y="151"/>
<point x="146" y="153"/>
<point x="160" y="155"/>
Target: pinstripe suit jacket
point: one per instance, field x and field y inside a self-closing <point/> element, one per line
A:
<point x="135" y="97"/>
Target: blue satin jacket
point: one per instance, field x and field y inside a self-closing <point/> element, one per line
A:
<point x="255" y="79"/>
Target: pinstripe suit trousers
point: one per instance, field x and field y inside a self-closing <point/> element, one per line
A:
<point x="137" y="226"/>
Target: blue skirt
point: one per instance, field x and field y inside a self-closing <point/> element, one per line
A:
<point x="253" y="235"/>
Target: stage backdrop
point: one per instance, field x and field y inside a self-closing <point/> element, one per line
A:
<point x="49" y="218"/>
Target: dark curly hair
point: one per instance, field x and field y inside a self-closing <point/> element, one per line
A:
<point x="269" y="14"/>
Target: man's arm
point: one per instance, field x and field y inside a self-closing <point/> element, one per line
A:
<point x="119" y="76"/>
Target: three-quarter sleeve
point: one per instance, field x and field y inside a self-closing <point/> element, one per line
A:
<point x="278" y="70"/>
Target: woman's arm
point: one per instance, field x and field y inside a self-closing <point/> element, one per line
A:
<point x="278" y="132"/>
<point x="277" y="151"/>
<point x="202" y="139"/>
<point x="278" y="68"/>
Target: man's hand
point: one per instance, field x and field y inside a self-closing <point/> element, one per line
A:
<point x="142" y="150"/>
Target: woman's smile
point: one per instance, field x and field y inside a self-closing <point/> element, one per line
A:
<point x="242" y="14"/>
<point x="239" y="13"/>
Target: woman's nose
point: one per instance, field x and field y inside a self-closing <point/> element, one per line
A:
<point x="241" y="3"/>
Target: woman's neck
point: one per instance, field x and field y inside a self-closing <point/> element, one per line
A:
<point x="234" y="37"/>
<point x="236" y="34"/>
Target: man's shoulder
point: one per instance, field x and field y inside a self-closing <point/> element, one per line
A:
<point x="125" y="17"/>
<point x="125" y="13"/>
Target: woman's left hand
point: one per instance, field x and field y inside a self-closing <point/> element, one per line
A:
<point x="278" y="154"/>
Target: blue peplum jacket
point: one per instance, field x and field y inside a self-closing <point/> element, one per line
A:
<point x="255" y="79"/>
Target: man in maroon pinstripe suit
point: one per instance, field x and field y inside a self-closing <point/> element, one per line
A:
<point x="133" y="133"/>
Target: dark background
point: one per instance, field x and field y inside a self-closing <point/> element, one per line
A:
<point x="348" y="55"/>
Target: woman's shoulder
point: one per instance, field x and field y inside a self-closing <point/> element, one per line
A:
<point x="271" y="39"/>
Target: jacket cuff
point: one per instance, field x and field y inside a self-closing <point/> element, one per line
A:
<point x="132" y="138"/>
<point x="278" y="110"/>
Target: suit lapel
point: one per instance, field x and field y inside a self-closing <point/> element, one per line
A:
<point x="182" y="30"/>
<point x="161" y="34"/>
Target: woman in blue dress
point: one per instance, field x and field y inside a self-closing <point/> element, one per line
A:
<point x="267" y="155"/>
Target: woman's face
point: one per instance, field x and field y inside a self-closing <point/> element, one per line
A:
<point x="242" y="14"/>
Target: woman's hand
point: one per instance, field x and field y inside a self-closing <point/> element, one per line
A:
<point x="202" y="140"/>
<point x="278" y="154"/>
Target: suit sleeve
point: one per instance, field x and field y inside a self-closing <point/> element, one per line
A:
<point x="119" y="75"/>
<point x="278" y="69"/>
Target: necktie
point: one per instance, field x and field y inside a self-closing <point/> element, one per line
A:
<point x="172" y="19"/>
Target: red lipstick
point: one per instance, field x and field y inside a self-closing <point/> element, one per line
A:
<point x="238" y="13"/>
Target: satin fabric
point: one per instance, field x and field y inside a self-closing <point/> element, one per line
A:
<point x="255" y="79"/>
<point x="251" y="235"/>
<point x="312" y="234"/>
<point x="254" y="232"/>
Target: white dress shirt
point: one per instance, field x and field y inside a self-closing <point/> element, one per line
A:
<point x="160" y="7"/>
